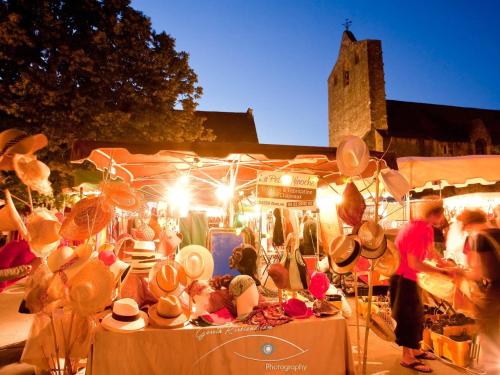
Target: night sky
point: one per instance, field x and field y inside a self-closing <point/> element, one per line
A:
<point x="275" y="56"/>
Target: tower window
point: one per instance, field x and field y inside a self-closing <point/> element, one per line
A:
<point x="356" y="58"/>
<point x="335" y="80"/>
<point x="480" y="147"/>
<point x="346" y="77"/>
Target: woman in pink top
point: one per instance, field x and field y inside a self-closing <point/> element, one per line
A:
<point x="415" y="243"/>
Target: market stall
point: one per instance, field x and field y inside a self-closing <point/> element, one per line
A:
<point x="184" y="237"/>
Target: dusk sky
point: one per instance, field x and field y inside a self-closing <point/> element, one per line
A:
<point x="275" y="55"/>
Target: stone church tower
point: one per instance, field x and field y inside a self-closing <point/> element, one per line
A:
<point x="356" y="92"/>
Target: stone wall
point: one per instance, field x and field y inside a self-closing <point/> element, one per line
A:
<point x="356" y="92"/>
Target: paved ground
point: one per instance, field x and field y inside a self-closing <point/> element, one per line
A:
<point x="383" y="357"/>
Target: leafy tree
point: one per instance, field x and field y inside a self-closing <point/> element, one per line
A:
<point x="92" y="69"/>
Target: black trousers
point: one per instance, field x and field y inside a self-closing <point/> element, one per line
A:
<point x="407" y="310"/>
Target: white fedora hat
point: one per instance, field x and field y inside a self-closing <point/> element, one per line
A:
<point x="395" y="184"/>
<point x="352" y="156"/>
<point x="126" y="316"/>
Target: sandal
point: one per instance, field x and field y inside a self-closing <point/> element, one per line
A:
<point x="417" y="366"/>
<point x="426" y="355"/>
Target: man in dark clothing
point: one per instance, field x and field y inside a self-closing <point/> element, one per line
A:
<point x="484" y="261"/>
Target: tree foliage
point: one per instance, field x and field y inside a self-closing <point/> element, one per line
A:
<point x="92" y="69"/>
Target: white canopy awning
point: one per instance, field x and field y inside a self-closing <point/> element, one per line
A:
<point x="438" y="172"/>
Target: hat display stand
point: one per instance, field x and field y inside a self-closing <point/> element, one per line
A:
<point x="370" y="275"/>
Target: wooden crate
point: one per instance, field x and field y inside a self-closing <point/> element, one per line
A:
<point x="458" y="352"/>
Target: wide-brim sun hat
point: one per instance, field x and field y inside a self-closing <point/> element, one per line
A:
<point x="88" y="217"/>
<point x="68" y="260"/>
<point x="33" y="173"/>
<point x="10" y="220"/>
<point x="353" y="156"/>
<point x="125" y="317"/>
<point x="352" y="207"/>
<point x="439" y="285"/>
<point x="13" y="141"/>
<point x="167" y="278"/>
<point x="90" y="290"/>
<point x="382" y="324"/>
<point x="395" y="184"/>
<point x="343" y="254"/>
<point x="372" y="238"/>
<point x="43" y="228"/>
<point x="388" y="263"/>
<point x="122" y="195"/>
<point x="197" y="261"/>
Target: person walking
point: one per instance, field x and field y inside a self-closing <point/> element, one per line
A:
<point x="415" y="243"/>
<point x="483" y="258"/>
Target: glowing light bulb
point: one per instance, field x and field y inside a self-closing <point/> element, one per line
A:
<point x="286" y="179"/>
<point x="224" y="192"/>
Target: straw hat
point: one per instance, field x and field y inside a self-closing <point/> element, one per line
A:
<point x="143" y="233"/>
<point x="388" y="263"/>
<point x="10" y="219"/>
<point x="144" y="256"/>
<point x="166" y="280"/>
<point x="352" y="156"/>
<point x="372" y="238"/>
<point x="383" y="325"/>
<point x="13" y="141"/>
<point x="91" y="288"/>
<point x="243" y="289"/>
<point x="33" y="173"/>
<point x="343" y="254"/>
<point x="169" y="241"/>
<point x="43" y="228"/>
<point x="121" y="195"/>
<point x="439" y="285"/>
<point x="197" y="261"/>
<point x="395" y="184"/>
<point x="69" y="260"/>
<point x="167" y="313"/>
<point x="88" y="217"/>
<point x="126" y="316"/>
<point x="420" y="209"/>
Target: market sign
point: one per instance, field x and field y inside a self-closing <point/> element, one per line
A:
<point x="287" y="190"/>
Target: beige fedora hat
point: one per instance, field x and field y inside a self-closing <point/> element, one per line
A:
<point x="10" y="220"/>
<point x="121" y="195"/>
<point x="90" y="290"/>
<point x="166" y="279"/>
<point x="14" y="141"/>
<point x="167" y="313"/>
<point x="197" y="261"/>
<point x="372" y="238"/>
<point x="43" y="228"/>
<point x="352" y="156"/>
<point x="343" y="253"/>
<point x="87" y="217"/>
<point x="125" y="317"/>
<point x="143" y="256"/>
<point x="33" y="173"/>
<point x="388" y="263"/>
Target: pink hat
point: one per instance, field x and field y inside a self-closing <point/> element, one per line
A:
<point x="297" y="309"/>
<point x="319" y="285"/>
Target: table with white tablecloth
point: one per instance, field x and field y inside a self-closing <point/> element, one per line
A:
<point x="309" y="346"/>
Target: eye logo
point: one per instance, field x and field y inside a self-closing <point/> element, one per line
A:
<point x="261" y="348"/>
<point x="267" y="349"/>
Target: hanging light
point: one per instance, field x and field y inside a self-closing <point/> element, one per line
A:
<point x="183" y="180"/>
<point x="224" y="192"/>
<point x="286" y="180"/>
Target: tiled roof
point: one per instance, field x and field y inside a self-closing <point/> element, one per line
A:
<point x="439" y="122"/>
<point x="231" y="126"/>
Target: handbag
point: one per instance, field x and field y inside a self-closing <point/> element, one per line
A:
<point x="297" y="269"/>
